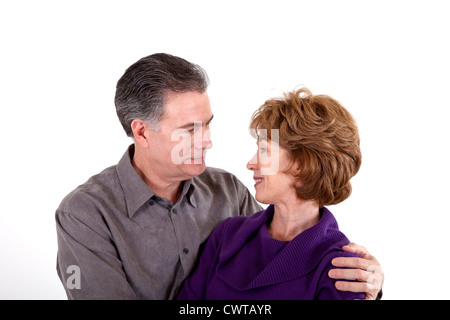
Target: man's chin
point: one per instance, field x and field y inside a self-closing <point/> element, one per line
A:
<point x="195" y="169"/>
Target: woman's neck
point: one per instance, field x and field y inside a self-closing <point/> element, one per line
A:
<point x="289" y="220"/>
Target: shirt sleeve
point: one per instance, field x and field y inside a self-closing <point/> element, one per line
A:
<point x="87" y="260"/>
<point x="326" y="289"/>
<point x="194" y="286"/>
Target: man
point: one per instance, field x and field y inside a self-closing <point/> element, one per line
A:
<point x="134" y="230"/>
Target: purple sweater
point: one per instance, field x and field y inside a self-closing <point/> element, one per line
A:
<point x="241" y="261"/>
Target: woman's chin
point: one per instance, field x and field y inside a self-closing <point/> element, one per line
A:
<point x="261" y="199"/>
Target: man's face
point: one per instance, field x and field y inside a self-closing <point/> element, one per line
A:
<point x="179" y="145"/>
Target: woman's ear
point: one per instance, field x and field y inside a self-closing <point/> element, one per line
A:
<point x="140" y="132"/>
<point x="295" y="168"/>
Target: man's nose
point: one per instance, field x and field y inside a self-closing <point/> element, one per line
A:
<point x="205" y="142"/>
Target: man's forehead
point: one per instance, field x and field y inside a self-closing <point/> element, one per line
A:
<point x="185" y="108"/>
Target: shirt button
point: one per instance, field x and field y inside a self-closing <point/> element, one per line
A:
<point x="174" y="211"/>
<point x="186" y="250"/>
<point x="157" y="198"/>
<point x="152" y="203"/>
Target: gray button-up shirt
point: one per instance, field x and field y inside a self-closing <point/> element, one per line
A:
<point x="117" y="239"/>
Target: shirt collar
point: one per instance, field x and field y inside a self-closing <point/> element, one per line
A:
<point x="134" y="188"/>
<point x="136" y="192"/>
<point x="188" y="191"/>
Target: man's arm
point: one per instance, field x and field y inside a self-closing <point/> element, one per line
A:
<point x="366" y="270"/>
<point x="88" y="263"/>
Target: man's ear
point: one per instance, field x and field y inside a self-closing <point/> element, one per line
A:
<point x="140" y="132"/>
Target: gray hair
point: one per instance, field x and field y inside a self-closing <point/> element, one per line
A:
<point x="142" y="90"/>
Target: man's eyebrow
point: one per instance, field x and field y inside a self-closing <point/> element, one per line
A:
<point x="192" y="124"/>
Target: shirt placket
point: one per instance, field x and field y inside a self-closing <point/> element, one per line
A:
<point x="186" y="233"/>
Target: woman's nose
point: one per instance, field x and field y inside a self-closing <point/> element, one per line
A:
<point x="251" y="165"/>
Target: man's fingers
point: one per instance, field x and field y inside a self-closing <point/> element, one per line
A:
<point x="365" y="270"/>
<point x="366" y="287"/>
<point x="347" y="262"/>
<point x="351" y="274"/>
<point x="356" y="248"/>
<point x="372" y="276"/>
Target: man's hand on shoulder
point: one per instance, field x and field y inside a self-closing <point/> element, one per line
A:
<point x="366" y="270"/>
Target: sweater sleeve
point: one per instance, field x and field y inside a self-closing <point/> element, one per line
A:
<point x="194" y="286"/>
<point x="326" y="289"/>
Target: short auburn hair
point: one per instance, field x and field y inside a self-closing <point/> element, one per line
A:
<point x="322" y="139"/>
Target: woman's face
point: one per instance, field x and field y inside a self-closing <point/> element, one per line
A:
<point x="272" y="183"/>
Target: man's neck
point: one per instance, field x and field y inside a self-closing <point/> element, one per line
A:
<point x="171" y="190"/>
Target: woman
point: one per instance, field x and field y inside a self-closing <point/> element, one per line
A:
<point x="285" y="251"/>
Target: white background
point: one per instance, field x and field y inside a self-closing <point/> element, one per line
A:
<point x="387" y="62"/>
